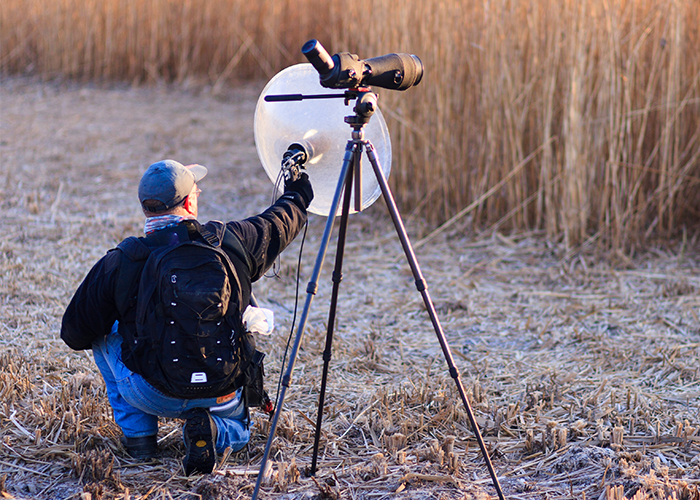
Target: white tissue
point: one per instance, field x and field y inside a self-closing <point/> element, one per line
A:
<point x="258" y="320"/>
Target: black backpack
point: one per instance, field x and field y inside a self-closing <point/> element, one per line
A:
<point x="183" y="313"/>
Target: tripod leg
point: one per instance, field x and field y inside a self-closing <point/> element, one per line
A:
<point x="311" y="289"/>
<point x="337" y="278"/>
<point x="358" y="178"/>
<point x="422" y="287"/>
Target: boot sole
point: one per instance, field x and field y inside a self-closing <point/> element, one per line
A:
<point x="201" y="456"/>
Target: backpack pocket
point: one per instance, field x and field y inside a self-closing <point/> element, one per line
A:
<point x="195" y="291"/>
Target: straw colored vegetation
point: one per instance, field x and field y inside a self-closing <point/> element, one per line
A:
<point x="581" y="372"/>
<point x="577" y="118"/>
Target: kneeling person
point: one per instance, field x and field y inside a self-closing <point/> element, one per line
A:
<point x="162" y="314"/>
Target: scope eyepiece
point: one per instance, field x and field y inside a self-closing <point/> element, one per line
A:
<point x="318" y="57"/>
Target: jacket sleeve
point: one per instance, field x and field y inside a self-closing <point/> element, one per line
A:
<point x="92" y="311"/>
<point x="265" y="236"/>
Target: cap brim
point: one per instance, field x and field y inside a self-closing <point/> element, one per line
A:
<point x="199" y="171"/>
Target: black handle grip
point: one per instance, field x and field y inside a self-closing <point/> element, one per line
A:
<point x="284" y="97"/>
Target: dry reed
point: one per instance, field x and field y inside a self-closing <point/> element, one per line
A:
<point x="576" y="118"/>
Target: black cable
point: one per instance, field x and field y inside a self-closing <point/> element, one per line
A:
<point x="289" y="163"/>
<point x="278" y="186"/>
<point x="294" y="316"/>
<point x="276" y="265"/>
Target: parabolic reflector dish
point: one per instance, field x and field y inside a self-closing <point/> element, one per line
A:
<point x="320" y="123"/>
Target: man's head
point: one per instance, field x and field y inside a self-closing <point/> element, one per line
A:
<point x="167" y="186"/>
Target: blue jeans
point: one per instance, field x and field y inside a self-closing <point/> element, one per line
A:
<point x="137" y="404"/>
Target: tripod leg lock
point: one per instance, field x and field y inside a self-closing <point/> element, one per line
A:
<point x="312" y="288"/>
<point x="421" y="285"/>
<point x="337" y="277"/>
<point x="454" y="373"/>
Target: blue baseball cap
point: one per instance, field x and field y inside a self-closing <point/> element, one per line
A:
<point x="167" y="183"/>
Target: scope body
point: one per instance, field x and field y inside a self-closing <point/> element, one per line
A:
<point x="348" y="71"/>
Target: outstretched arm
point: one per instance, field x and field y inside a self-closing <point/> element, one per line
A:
<point x="265" y="236"/>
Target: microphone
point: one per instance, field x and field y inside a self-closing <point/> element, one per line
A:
<point x="303" y="147"/>
<point x="294" y="159"/>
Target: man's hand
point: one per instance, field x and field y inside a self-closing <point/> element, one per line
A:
<point x="302" y="186"/>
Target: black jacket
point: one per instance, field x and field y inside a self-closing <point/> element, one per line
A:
<point x="94" y="309"/>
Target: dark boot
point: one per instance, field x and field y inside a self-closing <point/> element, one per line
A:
<point x="141" y="448"/>
<point x="200" y="442"/>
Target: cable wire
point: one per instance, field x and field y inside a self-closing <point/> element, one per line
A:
<point x="276" y="188"/>
<point x="294" y="315"/>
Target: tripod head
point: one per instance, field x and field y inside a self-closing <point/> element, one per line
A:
<point x="365" y="106"/>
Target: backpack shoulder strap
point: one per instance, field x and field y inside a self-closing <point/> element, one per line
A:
<point x="212" y="232"/>
<point x="234" y="244"/>
<point x="217" y="234"/>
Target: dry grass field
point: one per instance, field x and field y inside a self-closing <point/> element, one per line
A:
<point x="582" y="368"/>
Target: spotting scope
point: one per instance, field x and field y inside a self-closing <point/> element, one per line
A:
<point x="348" y="71"/>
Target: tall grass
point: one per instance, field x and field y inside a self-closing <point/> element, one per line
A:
<point x="578" y="118"/>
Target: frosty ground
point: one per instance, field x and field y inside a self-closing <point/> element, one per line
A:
<point x="581" y="366"/>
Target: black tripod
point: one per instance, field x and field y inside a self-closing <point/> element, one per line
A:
<point x="365" y="107"/>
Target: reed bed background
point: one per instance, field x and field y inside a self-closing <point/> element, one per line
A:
<point x="576" y="118"/>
